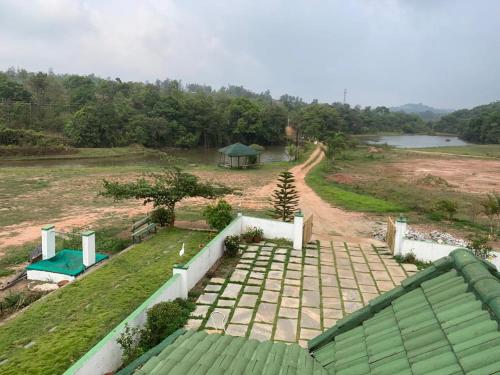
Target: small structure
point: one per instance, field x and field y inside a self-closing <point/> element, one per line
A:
<point x="239" y="155"/>
<point x="67" y="263"/>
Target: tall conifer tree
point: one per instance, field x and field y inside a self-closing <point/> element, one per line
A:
<point x="285" y="198"/>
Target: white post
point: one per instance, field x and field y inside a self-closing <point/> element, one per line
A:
<point x="400" y="235"/>
<point x="298" y="230"/>
<point x="88" y="247"/>
<point x="182" y="271"/>
<point x="48" y="241"/>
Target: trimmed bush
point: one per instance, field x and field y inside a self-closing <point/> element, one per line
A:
<point x="219" y="215"/>
<point x="162" y="217"/>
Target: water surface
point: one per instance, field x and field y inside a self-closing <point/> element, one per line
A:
<point x="416" y="141"/>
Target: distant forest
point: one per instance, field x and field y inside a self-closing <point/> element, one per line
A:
<point x="478" y="125"/>
<point x="47" y="110"/>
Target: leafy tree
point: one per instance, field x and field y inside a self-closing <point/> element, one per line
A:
<point x="335" y="144"/>
<point x="285" y="199"/>
<point x="218" y="215"/>
<point x="316" y="121"/>
<point x="491" y="208"/>
<point x="165" y="190"/>
<point x="448" y="207"/>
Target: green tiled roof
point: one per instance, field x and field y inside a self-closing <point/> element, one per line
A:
<point x="238" y="149"/>
<point x="443" y="320"/>
<point x="200" y="353"/>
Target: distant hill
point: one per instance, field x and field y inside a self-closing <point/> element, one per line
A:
<point x="480" y="124"/>
<point x="424" y="111"/>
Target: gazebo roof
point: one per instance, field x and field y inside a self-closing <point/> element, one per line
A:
<point x="238" y="149"/>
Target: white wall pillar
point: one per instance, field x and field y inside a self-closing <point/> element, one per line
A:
<point x="401" y="226"/>
<point x="298" y="230"/>
<point x="182" y="270"/>
<point x="88" y="248"/>
<point x="48" y="241"/>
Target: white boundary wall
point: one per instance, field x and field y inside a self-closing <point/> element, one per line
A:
<point x="426" y="251"/>
<point x="199" y="265"/>
<point x="106" y="355"/>
<point x="272" y="228"/>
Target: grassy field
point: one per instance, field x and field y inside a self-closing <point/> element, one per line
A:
<point x="53" y="333"/>
<point x="64" y="190"/>
<point x="492" y="151"/>
<point x="380" y="182"/>
<point x="343" y="197"/>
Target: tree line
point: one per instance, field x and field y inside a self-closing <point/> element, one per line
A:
<point x="88" y="111"/>
<point x="478" y="125"/>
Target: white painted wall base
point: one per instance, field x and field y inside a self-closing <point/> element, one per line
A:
<point x="50" y="277"/>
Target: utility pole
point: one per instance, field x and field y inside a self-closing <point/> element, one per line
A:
<point x="345" y="94"/>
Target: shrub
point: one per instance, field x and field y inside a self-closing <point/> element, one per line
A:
<point x="253" y="235"/>
<point x="447" y="207"/>
<point x="232" y="245"/>
<point x="15" y="301"/>
<point x="129" y="342"/>
<point x="163" y="319"/>
<point x="218" y="216"/>
<point x="479" y="246"/>
<point x="162" y="216"/>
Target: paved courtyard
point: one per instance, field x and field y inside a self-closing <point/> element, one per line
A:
<point x="293" y="295"/>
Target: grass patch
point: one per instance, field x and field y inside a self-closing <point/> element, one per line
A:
<point x="340" y="196"/>
<point x="68" y="322"/>
<point x="492" y="151"/>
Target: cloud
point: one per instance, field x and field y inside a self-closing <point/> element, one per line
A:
<point x="444" y="53"/>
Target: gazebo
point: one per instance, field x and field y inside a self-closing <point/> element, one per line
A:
<point x="238" y="155"/>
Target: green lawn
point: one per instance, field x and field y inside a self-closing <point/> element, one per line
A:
<point x="340" y="196"/>
<point x="55" y="332"/>
<point x="492" y="151"/>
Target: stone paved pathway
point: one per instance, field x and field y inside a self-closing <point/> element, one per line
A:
<point x="293" y="295"/>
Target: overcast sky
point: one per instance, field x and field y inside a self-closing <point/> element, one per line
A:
<point x="445" y="53"/>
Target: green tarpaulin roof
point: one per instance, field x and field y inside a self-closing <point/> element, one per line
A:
<point x="442" y="320"/>
<point x="67" y="262"/>
<point x="238" y="149"/>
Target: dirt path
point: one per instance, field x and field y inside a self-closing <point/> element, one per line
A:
<point x="330" y="223"/>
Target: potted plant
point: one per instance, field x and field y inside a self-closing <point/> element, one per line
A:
<point x="253" y="235"/>
<point x="232" y="245"/>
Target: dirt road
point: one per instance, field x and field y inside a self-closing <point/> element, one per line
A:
<point x="330" y="223"/>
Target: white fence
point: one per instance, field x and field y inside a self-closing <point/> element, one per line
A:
<point x="426" y="251"/>
<point x="272" y="228"/>
<point x="106" y="355"/>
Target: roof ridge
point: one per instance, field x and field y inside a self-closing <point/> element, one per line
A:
<point x="482" y="277"/>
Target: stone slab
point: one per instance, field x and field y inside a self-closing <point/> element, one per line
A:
<point x="231" y="291"/>
<point x="206" y="299"/>
<point x="266" y="312"/>
<point x="261" y="332"/>
<point x="286" y="330"/>
<point x="242" y="316"/>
